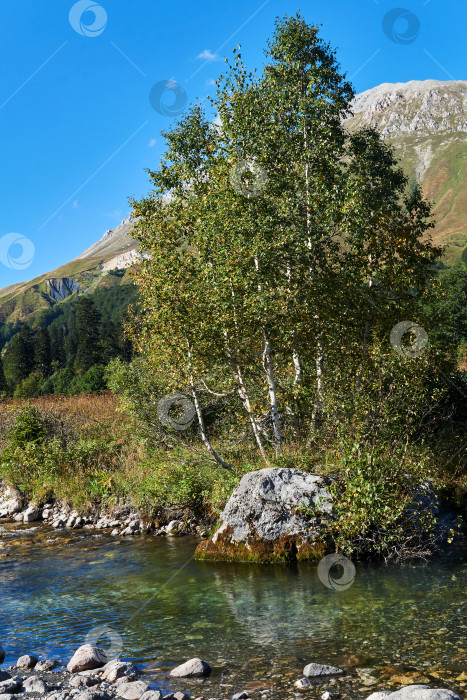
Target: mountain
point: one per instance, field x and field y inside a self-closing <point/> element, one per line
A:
<point x="426" y="121"/>
<point x="86" y="273"/>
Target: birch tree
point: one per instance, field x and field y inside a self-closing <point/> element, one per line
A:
<point x="270" y="238"/>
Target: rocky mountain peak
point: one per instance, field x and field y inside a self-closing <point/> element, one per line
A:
<point x="427" y="107"/>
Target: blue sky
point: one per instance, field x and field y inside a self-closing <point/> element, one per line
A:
<point x="77" y="128"/>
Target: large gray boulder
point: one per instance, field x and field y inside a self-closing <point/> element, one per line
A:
<point x="415" y="692"/>
<point x="9" y="686"/>
<point x="273" y="515"/>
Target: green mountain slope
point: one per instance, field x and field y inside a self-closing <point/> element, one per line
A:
<point x="88" y="272"/>
<point x="426" y="121"/>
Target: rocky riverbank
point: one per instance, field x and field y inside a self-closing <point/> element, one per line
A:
<point x="122" y="519"/>
<point x="274" y="515"/>
<point x="90" y="675"/>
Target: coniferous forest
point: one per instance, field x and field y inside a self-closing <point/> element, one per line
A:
<point x="65" y="350"/>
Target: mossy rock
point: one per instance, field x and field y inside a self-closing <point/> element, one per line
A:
<point x="288" y="549"/>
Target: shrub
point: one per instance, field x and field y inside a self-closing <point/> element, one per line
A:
<point x="30" y="386"/>
<point x="62" y="381"/>
<point x="29" y="427"/>
<point x="384" y="504"/>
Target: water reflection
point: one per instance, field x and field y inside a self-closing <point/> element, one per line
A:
<point x="168" y="607"/>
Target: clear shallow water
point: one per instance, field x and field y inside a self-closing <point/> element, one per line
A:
<point x="256" y="625"/>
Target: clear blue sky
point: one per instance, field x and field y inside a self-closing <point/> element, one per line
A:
<point x="77" y="128"/>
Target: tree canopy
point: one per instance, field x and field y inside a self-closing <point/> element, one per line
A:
<point x="282" y="246"/>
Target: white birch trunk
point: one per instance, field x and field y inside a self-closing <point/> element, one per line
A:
<point x="298" y="368"/>
<point x="202" y="427"/>
<point x="269" y="369"/>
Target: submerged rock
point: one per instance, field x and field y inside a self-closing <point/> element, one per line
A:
<point x="196" y="668"/>
<point x="415" y="692"/>
<point x="273" y="515"/>
<point x="314" y="670"/>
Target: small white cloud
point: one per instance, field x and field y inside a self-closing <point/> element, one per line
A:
<point x="217" y="121"/>
<point x="208" y="55"/>
<point x="210" y="82"/>
<point x="115" y="214"/>
<point x="152" y="143"/>
<point x="75" y="204"/>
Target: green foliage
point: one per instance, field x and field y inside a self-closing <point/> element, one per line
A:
<point x="139" y="390"/>
<point x="180" y="480"/>
<point x="44" y="458"/>
<point x="20" y="360"/>
<point x="92" y="380"/>
<point x="29" y="428"/>
<point x="320" y="261"/>
<point x="381" y="505"/>
<point x="53" y="344"/>
<point x="62" y="381"/>
<point x="3" y="382"/>
<point x="30" y="386"/>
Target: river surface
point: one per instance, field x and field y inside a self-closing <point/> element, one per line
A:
<point x="256" y="625"/>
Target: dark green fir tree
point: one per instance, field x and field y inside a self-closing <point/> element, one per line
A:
<point x="42" y="352"/>
<point x="89" y="349"/>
